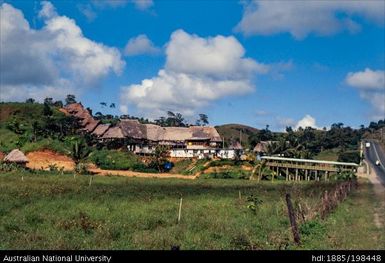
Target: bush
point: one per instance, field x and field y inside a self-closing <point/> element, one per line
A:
<point x="227" y="175"/>
<point x="114" y="160"/>
<point x="349" y="156"/>
<point x="55" y="145"/>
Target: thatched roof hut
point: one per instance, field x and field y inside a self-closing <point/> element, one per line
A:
<point x="87" y="121"/>
<point x="113" y="133"/>
<point x="236" y="146"/>
<point x="16" y="156"/>
<point x="133" y="129"/>
<point x="101" y="129"/>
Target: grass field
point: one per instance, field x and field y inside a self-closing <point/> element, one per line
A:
<point x="47" y="211"/>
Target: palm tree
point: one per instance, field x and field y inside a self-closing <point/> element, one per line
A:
<point x="261" y="170"/>
<point x="79" y="153"/>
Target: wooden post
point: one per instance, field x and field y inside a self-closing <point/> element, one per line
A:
<point x="293" y="223"/>
<point x="287" y="174"/>
<point x="239" y="195"/>
<point x="91" y="177"/>
<point x="180" y="210"/>
<point x="296" y="174"/>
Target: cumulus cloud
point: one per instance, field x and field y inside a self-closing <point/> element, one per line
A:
<point x="367" y="79"/>
<point x="307" y="121"/>
<point x="140" y="45"/>
<point x="197" y="71"/>
<point x="51" y="61"/>
<point x="371" y="86"/>
<point x="302" y="18"/>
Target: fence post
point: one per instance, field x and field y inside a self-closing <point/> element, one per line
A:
<point x="293" y="223"/>
<point x="180" y="210"/>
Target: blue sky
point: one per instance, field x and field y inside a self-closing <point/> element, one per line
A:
<point x="237" y="61"/>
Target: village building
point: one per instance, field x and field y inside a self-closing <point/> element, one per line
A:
<point x="16" y="156"/>
<point x="142" y="139"/>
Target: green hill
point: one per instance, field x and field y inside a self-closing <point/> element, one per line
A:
<point x="235" y="132"/>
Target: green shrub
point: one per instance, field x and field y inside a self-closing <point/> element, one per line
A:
<point x="227" y="175"/>
<point x="63" y="147"/>
<point x="118" y="160"/>
<point x="349" y="156"/>
<point x="312" y="228"/>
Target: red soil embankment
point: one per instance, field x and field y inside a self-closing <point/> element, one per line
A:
<point x="2" y="155"/>
<point x="41" y="160"/>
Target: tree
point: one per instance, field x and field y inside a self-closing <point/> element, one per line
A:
<point x="30" y="100"/>
<point x="203" y="120"/>
<point x="179" y="120"/>
<point x="48" y="101"/>
<point x="70" y="99"/>
<point x="58" y="104"/>
<point x="47" y="111"/>
<point x="99" y="115"/>
<point x="124" y="116"/>
<point x="159" y="157"/>
<point x="79" y="151"/>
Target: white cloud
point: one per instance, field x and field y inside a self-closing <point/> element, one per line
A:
<point x="140" y="45"/>
<point x="307" y="121"/>
<point x="371" y="86"/>
<point x="89" y="9"/>
<point x="143" y="4"/>
<point x="302" y="18"/>
<point x="51" y="61"/>
<point x="367" y="79"/>
<point x="197" y="71"/>
<point x="218" y="56"/>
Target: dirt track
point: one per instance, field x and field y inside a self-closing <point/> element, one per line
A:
<point x="99" y="171"/>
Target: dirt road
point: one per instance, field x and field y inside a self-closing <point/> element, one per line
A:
<point x="99" y="171"/>
<point x="379" y="189"/>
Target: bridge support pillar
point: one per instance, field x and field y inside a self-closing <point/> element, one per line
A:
<point x="287" y="173"/>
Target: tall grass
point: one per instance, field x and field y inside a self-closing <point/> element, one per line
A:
<point x="48" y="211"/>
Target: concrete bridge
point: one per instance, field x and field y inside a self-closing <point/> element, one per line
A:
<point x="306" y="169"/>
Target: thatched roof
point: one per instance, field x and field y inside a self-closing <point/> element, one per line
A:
<point x="16" y="156"/>
<point x="262" y="146"/>
<point x="113" y="133"/>
<point x="133" y="129"/>
<point x="236" y="146"/>
<point x="101" y="129"/>
<point x="154" y="132"/>
<point x="136" y="130"/>
<point x="88" y="123"/>
<point x="157" y="133"/>
<point x="205" y="132"/>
